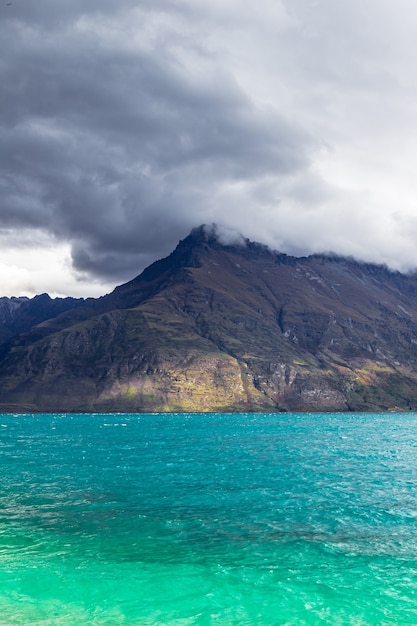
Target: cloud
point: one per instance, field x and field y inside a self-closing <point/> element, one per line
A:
<point x="32" y="264"/>
<point x="123" y="126"/>
<point x="119" y="146"/>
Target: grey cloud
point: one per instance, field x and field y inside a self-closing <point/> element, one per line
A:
<point x="121" y="149"/>
<point x="124" y="124"/>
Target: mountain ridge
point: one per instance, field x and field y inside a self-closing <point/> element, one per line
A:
<point x="225" y="326"/>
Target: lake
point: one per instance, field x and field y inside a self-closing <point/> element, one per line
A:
<point x="208" y="519"/>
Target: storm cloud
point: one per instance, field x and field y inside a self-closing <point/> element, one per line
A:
<point x="123" y="125"/>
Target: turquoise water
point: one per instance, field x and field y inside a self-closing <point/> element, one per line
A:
<point x="216" y="519"/>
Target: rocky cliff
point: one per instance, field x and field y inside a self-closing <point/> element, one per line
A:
<point x="222" y="327"/>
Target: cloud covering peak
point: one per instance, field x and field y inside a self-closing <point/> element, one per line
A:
<point x="124" y="125"/>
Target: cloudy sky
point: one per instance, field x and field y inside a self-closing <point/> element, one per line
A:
<point x="125" y="123"/>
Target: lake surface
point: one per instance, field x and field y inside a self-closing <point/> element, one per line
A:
<point x="196" y="519"/>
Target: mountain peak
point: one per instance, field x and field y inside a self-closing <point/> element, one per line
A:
<point x="215" y="234"/>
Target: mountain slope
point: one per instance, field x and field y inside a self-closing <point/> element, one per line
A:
<point x="226" y="327"/>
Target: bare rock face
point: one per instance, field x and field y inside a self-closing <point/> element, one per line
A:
<point x="217" y="327"/>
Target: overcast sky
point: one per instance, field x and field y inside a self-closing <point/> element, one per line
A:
<point x="125" y="123"/>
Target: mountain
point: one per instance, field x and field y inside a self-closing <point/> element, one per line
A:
<point x="219" y="327"/>
<point x="20" y="314"/>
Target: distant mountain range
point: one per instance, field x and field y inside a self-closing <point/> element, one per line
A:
<point x="217" y="327"/>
